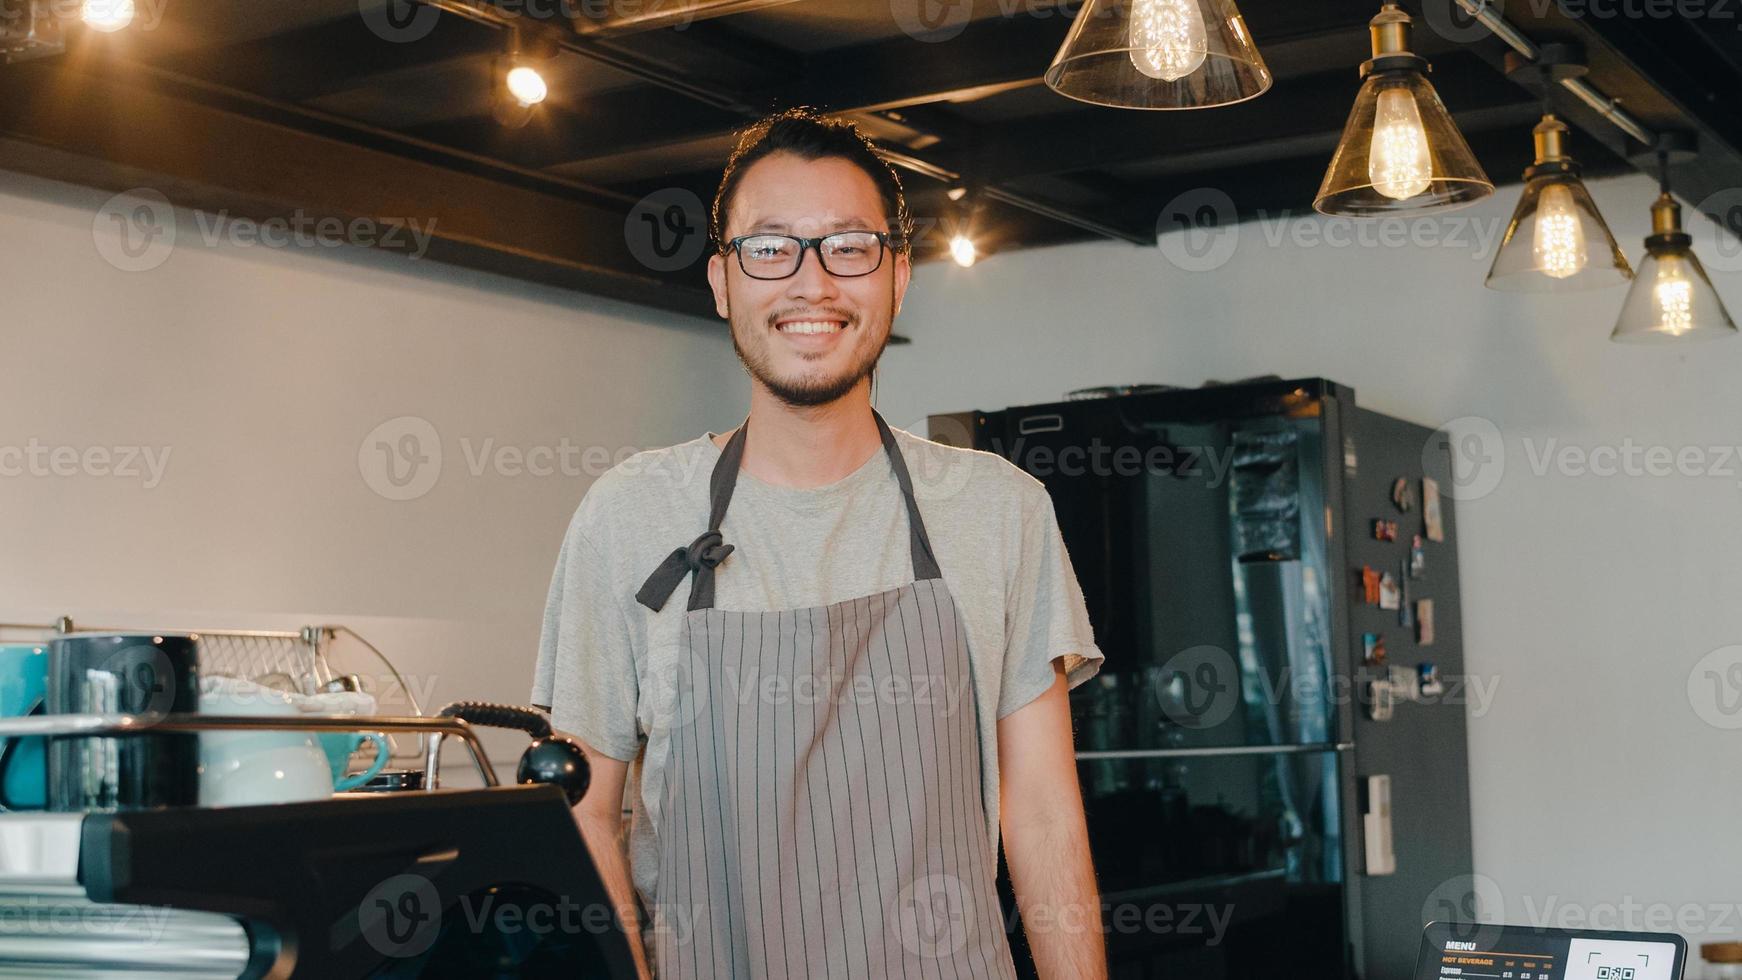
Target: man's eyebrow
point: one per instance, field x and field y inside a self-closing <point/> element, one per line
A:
<point x="773" y="226"/>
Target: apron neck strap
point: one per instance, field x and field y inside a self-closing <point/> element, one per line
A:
<point x="706" y="552"/>
<point x="925" y="562"/>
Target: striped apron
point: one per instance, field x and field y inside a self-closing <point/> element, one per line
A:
<point x="821" y="812"/>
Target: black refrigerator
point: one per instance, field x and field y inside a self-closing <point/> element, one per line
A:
<point x="1273" y="755"/>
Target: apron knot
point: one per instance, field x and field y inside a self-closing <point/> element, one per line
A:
<point x="701" y="556"/>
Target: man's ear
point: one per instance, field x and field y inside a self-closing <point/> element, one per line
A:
<point x="903" y="275"/>
<point x="717" y="281"/>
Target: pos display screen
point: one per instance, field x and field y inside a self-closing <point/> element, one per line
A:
<point x="1480" y="951"/>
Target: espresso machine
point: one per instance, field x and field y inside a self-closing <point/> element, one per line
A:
<point x="121" y="870"/>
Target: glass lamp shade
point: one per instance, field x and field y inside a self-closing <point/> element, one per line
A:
<point x="1400" y="153"/>
<point x="1557" y="241"/>
<point x="1159" y="54"/>
<point x="1671" y="298"/>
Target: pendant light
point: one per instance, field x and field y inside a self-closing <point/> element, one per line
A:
<point x="1557" y="241"/>
<point x="1159" y="54"/>
<point x="1671" y="298"/>
<point x="1400" y="152"/>
<point x="520" y="78"/>
<point x="963" y="250"/>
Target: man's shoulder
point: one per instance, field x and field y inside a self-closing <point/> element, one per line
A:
<point x="972" y="477"/>
<point x="652" y="485"/>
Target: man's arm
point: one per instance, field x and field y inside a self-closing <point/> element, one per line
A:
<point x="600" y="817"/>
<point x="1046" y="838"/>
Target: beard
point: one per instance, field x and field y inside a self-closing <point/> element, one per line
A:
<point x="808" y="390"/>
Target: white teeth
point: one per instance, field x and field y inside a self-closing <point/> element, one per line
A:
<point x="811" y="326"/>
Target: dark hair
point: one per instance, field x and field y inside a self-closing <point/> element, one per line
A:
<point x="811" y="136"/>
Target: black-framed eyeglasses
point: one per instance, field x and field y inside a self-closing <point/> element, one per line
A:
<point x="845" y="254"/>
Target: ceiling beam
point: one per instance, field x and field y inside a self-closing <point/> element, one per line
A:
<point x="331" y="56"/>
<point x="117" y="132"/>
<point x="991" y="55"/>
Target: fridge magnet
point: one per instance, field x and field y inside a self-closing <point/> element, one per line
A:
<point x="1428" y="679"/>
<point x="1384" y="530"/>
<point x="1424" y="622"/>
<point x="1430" y="509"/>
<point x="1403" y="493"/>
<point x="1417" y="557"/>
<point x="1369" y="585"/>
<point x="1373" y="649"/>
<point x="1390" y="596"/>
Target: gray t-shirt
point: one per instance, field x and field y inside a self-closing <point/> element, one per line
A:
<point x="606" y="662"/>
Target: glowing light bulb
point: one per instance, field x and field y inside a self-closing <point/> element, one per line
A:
<point x="1674" y="297"/>
<point x="527" y="86"/>
<point x="963" y="251"/>
<point x="107" y="16"/>
<point x="1559" y="245"/>
<point x="1168" y="40"/>
<point x="1398" y="163"/>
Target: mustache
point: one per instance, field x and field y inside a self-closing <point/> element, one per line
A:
<point x="814" y="312"/>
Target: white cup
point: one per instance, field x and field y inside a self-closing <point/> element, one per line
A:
<point x="252" y="768"/>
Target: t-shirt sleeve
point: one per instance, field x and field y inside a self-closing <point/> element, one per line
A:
<point x="586" y="665"/>
<point x="1045" y="617"/>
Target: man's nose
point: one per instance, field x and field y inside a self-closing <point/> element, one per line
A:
<point x="812" y="283"/>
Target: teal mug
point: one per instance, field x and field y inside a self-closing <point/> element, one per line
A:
<point x="339" y="747"/>
<point x="23" y="767"/>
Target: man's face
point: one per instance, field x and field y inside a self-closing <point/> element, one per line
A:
<point x="775" y="323"/>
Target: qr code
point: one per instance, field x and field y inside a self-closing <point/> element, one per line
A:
<point x="1614" y="973"/>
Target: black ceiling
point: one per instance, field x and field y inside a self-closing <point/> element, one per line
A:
<point x="383" y="108"/>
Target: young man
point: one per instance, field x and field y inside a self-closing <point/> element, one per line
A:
<point x="855" y="673"/>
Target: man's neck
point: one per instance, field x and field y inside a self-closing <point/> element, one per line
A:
<point x="809" y="446"/>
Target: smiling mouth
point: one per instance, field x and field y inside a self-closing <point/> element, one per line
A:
<point x="811" y="325"/>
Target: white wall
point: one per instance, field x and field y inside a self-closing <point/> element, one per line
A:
<point x="263" y="371"/>
<point x="1598" y="780"/>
